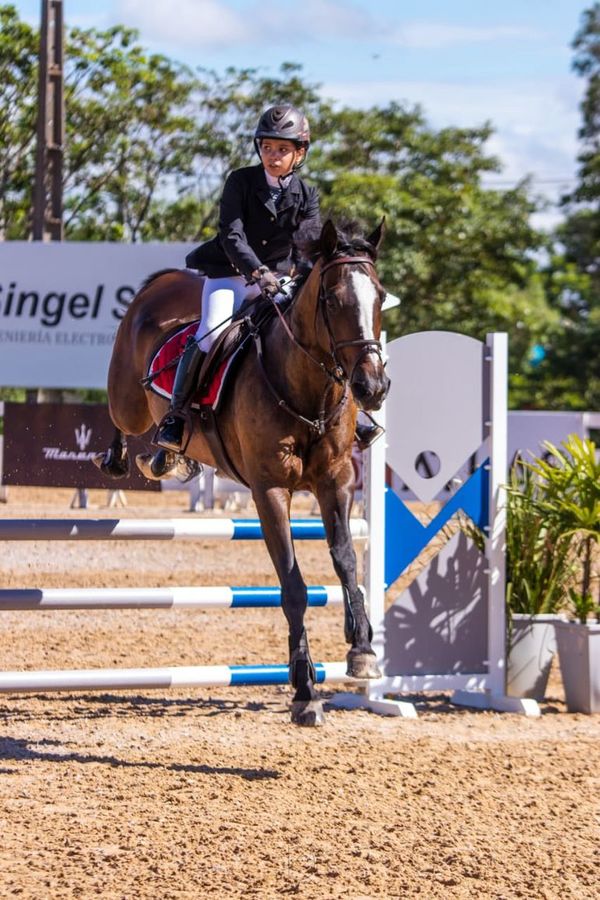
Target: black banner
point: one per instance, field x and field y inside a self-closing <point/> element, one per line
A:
<point x="52" y="445"/>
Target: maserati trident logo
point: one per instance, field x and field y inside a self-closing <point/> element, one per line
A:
<point x="83" y="435"/>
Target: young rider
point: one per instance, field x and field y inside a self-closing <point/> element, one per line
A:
<point x="264" y="211"/>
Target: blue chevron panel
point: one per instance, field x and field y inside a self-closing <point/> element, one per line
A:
<point x="406" y="537"/>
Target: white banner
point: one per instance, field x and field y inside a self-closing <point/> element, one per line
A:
<point x="61" y="304"/>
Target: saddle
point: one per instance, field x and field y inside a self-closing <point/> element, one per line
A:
<point x="216" y="376"/>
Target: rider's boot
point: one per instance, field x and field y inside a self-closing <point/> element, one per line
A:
<point x="367" y="434"/>
<point x="170" y="431"/>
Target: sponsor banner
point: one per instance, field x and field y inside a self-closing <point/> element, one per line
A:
<point x="52" y="445"/>
<point x="61" y="304"/>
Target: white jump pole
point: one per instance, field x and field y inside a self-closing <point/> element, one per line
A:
<point x="170" y="677"/>
<point x="158" y="529"/>
<point x="191" y="597"/>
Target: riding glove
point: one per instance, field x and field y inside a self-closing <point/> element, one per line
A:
<point x="267" y="282"/>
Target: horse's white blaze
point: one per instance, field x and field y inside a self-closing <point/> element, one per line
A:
<point x="367" y="297"/>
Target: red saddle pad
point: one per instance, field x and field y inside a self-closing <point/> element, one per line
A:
<point x="169" y="352"/>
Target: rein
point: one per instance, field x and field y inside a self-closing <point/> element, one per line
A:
<point x="336" y="375"/>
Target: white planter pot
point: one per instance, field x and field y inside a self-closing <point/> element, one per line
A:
<point x="579" y="655"/>
<point x="532" y="647"/>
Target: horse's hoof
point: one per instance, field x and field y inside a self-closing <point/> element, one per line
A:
<point x="99" y="459"/>
<point x="308" y="713"/>
<point x="186" y="469"/>
<point x="155" y="469"/>
<point x="110" y="465"/>
<point x="362" y="665"/>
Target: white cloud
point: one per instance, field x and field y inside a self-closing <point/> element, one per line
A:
<point x="198" y="23"/>
<point x="213" y="24"/>
<point x="431" y="35"/>
<point x="535" y="122"/>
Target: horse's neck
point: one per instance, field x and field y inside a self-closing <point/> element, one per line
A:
<point x="305" y="323"/>
<point x="299" y="358"/>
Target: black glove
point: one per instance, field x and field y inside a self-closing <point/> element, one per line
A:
<point x="267" y="282"/>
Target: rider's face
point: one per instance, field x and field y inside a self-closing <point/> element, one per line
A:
<point x="279" y="157"/>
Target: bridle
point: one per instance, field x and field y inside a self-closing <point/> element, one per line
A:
<point x="337" y="374"/>
<point x="368" y="345"/>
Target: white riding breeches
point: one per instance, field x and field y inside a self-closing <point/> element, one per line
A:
<point x="221" y="298"/>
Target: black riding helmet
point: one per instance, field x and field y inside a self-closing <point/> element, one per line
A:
<point x="284" y="122"/>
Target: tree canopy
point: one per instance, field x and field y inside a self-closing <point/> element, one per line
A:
<point x="149" y="143"/>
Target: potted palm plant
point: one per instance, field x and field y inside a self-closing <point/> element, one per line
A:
<point x="538" y="570"/>
<point x="568" y="499"/>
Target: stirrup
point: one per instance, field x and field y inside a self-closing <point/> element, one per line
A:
<point x="367" y="435"/>
<point x="169" y="433"/>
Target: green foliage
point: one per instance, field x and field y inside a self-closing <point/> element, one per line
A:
<point x="18" y="99"/>
<point x="583" y="606"/>
<point x="552" y="526"/>
<point x="586" y="62"/>
<point x="538" y="560"/>
<point x="12" y="395"/>
<point x="568" y="498"/>
<point x="569" y="377"/>
<point x="129" y="133"/>
<point x="450" y="244"/>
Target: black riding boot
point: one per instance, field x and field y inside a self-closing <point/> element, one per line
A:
<point x="170" y="430"/>
<point x="366" y="434"/>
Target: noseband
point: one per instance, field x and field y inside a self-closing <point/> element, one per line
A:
<point x="368" y="345"/>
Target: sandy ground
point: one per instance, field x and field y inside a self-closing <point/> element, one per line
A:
<point x="213" y="794"/>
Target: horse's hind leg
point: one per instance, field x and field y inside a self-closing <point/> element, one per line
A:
<point x="114" y="462"/>
<point x="335" y="500"/>
<point x="273" y="505"/>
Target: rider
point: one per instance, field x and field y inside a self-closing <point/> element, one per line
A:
<point x="264" y="211"/>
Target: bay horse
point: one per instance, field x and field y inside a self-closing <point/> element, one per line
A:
<point x="322" y="358"/>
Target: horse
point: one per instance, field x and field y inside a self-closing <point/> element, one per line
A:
<point x="287" y="423"/>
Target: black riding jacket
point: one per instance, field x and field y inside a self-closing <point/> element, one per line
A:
<point x="253" y="231"/>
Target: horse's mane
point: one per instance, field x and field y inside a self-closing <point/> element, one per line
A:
<point x="349" y="243"/>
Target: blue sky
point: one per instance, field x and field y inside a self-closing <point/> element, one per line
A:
<point x="463" y="61"/>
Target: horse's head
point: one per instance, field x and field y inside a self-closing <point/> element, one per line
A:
<point x="350" y="299"/>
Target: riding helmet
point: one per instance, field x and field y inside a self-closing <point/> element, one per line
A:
<point x="285" y="122"/>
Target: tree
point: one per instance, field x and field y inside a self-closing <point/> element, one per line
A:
<point x="569" y="375"/>
<point x="130" y="136"/>
<point x="18" y="97"/>
<point x="458" y="255"/>
<point x="149" y="143"/>
<point x="586" y="62"/>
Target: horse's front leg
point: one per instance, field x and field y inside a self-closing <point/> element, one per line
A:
<point x="273" y="505"/>
<point x="335" y="497"/>
<point x="114" y="462"/>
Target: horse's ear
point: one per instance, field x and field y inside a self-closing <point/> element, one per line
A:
<point x="376" y="237"/>
<point x="328" y="239"/>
